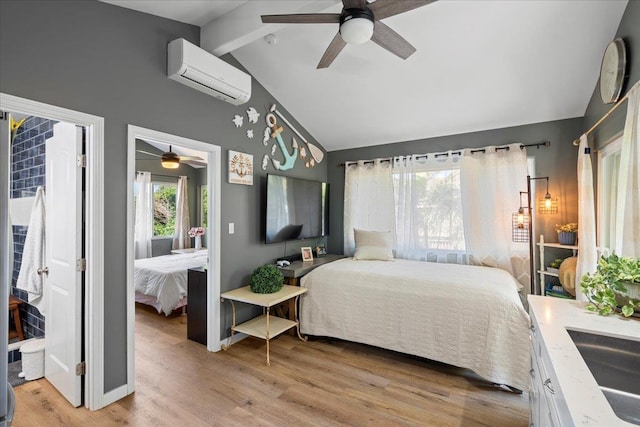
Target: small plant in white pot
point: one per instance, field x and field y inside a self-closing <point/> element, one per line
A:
<point x="615" y="284"/>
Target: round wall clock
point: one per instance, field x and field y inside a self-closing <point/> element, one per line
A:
<point x="614" y="64"/>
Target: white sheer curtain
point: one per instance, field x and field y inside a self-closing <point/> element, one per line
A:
<point x="181" y="239"/>
<point x="587" y="251"/>
<point x="143" y="224"/>
<point x="428" y="208"/>
<point x="628" y="209"/>
<point x="490" y="184"/>
<point x="368" y="199"/>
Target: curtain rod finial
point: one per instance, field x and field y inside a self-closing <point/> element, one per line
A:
<point x="576" y="142"/>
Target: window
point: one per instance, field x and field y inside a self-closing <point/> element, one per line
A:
<point x="608" y="167"/>
<point x="204" y="205"/>
<point x="164" y="209"/>
<point x="428" y="211"/>
<point x="437" y="209"/>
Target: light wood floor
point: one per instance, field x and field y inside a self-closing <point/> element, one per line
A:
<point x="322" y="383"/>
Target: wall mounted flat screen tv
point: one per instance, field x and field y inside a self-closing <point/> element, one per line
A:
<point x="296" y="209"/>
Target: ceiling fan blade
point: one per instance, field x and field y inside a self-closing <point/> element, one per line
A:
<point x="385" y="8"/>
<point x="190" y="158"/>
<point x="151" y="154"/>
<point x="392" y="41"/>
<point x="354" y="4"/>
<point x="194" y="163"/>
<point x="335" y="47"/>
<point x="302" y="18"/>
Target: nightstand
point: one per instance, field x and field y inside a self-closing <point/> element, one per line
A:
<point x="297" y="269"/>
<point x="187" y="250"/>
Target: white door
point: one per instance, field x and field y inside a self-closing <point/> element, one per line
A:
<point x="63" y="323"/>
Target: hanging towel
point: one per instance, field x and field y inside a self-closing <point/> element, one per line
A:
<point x="33" y="254"/>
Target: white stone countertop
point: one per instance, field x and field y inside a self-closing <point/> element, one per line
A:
<point x="586" y="403"/>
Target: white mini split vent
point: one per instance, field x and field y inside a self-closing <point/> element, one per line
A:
<point x="197" y="68"/>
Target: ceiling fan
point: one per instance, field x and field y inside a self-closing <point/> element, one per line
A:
<point x="171" y="160"/>
<point x="359" y="22"/>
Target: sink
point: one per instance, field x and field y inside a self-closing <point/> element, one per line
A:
<point x="615" y="365"/>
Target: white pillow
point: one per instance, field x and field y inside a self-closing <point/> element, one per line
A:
<point x="373" y="245"/>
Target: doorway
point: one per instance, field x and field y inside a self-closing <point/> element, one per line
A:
<point x="210" y="215"/>
<point x="83" y="307"/>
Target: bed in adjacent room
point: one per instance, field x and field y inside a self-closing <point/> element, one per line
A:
<point x="467" y="316"/>
<point x="162" y="281"/>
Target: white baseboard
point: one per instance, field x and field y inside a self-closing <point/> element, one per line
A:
<point x="238" y="336"/>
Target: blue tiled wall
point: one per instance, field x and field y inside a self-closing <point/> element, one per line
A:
<point x="27" y="174"/>
<point x="14" y="355"/>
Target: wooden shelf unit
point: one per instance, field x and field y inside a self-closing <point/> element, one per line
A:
<point x="542" y="272"/>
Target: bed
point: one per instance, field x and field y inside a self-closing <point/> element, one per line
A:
<point x="466" y="316"/>
<point x="162" y="281"/>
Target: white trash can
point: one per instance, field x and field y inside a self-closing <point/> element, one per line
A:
<point x="33" y="359"/>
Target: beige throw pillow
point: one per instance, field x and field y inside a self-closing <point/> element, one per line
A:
<point x="373" y="245"/>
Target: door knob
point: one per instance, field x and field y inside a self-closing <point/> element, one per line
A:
<point x="44" y="270"/>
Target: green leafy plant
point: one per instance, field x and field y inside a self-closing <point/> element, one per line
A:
<point x="266" y="279"/>
<point x="607" y="287"/>
<point x="556" y="263"/>
<point x="571" y="227"/>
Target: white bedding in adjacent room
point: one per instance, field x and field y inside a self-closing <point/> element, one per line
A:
<point x="467" y="316"/>
<point x="165" y="277"/>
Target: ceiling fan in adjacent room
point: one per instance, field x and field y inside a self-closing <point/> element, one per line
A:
<point x="359" y="22"/>
<point x="171" y="160"/>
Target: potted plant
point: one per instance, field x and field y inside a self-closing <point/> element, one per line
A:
<point x="266" y="279"/>
<point x="567" y="233"/>
<point x="554" y="266"/>
<point x="616" y="283"/>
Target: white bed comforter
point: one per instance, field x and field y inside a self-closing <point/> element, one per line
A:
<point x="466" y="316"/>
<point x="165" y="277"/>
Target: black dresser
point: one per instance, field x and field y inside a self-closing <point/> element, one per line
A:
<point x="197" y="308"/>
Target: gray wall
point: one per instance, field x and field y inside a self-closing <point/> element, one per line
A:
<point x="629" y="30"/>
<point x="145" y="162"/>
<point x="558" y="162"/>
<point x="111" y="62"/>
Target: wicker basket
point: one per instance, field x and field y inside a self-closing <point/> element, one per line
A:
<point x="567" y="238"/>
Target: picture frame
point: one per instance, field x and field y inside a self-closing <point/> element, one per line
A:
<point x="240" y="168"/>
<point x="321" y="250"/>
<point x="307" y="253"/>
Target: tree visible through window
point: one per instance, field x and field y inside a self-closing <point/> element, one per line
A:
<point x="164" y="209"/>
<point x="204" y="205"/>
<point x="437" y="210"/>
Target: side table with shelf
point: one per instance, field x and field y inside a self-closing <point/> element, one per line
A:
<point x="542" y="271"/>
<point x="266" y="326"/>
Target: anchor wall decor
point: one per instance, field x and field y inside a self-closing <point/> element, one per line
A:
<point x="289" y="159"/>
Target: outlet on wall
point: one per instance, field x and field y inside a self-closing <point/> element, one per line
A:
<point x="232" y="228"/>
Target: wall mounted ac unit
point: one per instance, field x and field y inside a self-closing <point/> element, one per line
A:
<point x="197" y="68"/>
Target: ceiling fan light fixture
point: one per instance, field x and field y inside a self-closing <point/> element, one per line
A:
<point x="170" y="161"/>
<point x="356" y="26"/>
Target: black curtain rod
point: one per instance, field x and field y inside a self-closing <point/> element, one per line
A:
<point x="166" y="176"/>
<point x="458" y="153"/>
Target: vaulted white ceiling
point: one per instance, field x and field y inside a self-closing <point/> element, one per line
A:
<point x="479" y="65"/>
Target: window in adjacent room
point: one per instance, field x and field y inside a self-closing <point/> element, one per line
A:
<point x="608" y="167"/>
<point x="204" y="205"/>
<point x="164" y="209"/>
